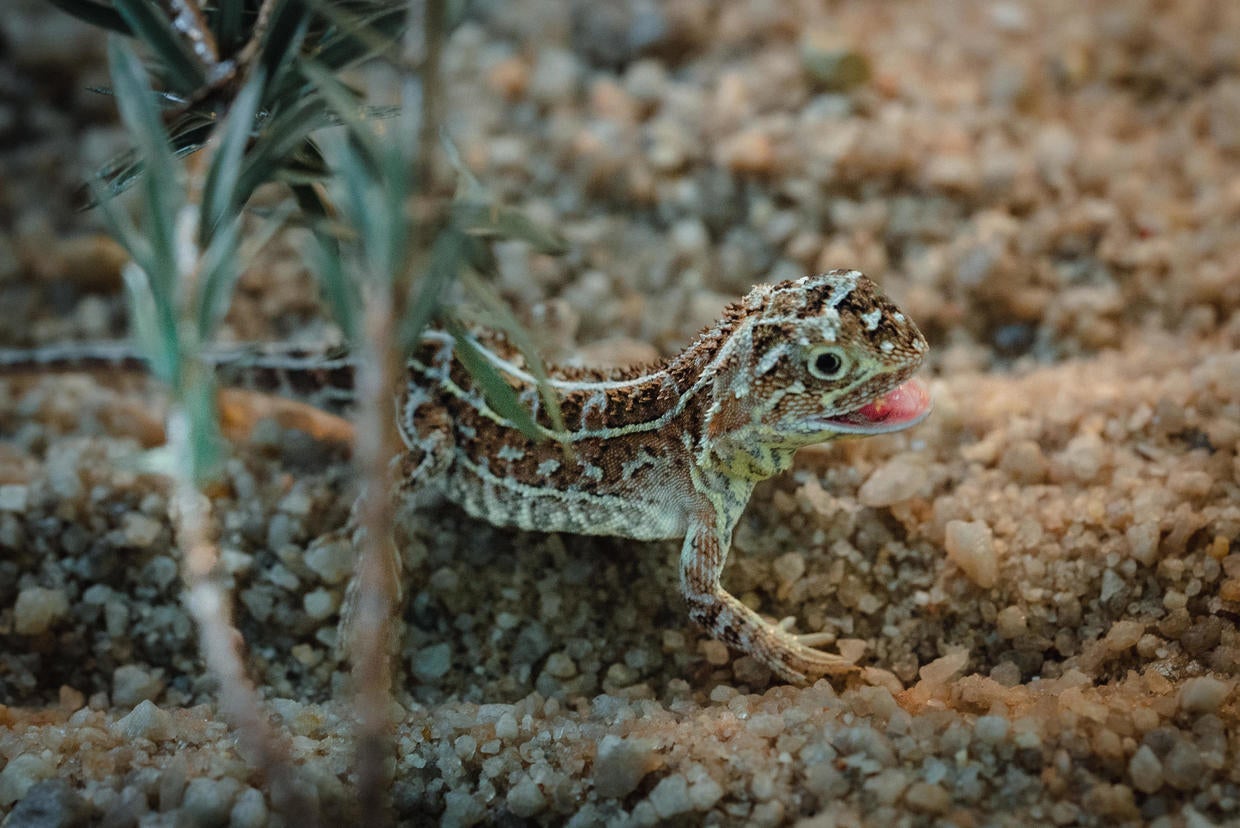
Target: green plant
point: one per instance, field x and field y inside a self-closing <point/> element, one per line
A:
<point x="235" y="95"/>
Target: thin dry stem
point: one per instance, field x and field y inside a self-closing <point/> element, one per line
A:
<point x="378" y="580"/>
<point x="220" y="641"/>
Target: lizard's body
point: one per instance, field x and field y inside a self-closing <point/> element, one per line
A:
<point x="666" y="451"/>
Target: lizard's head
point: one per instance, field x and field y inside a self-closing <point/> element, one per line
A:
<point x="828" y="356"/>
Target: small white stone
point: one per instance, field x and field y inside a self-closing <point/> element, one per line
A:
<point x="145" y="721"/>
<point x="991" y="729"/>
<point x="526" y="799"/>
<point x="506" y="726"/>
<point x="296" y="502"/>
<point x="971" y="546"/>
<point x="249" y="811"/>
<point x="21" y="773"/>
<point x="1203" y="694"/>
<point x="1123" y="635"/>
<point x="621" y="765"/>
<point x="209" y="801"/>
<point x="893" y="482"/>
<point x="140" y="530"/>
<point x="319" y="604"/>
<point x="1146" y="771"/>
<point x="13" y="497"/>
<point x="37" y="609"/>
<point x="561" y="666"/>
<point x="940" y="670"/>
<point x="927" y="798"/>
<point x="132" y="684"/>
<point x="671" y="797"/>
<point x="704" y="793"/>
<point x="331" y="560"/>
<point x="432" y="663"/>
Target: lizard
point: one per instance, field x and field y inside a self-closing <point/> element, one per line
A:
<point x="663" y="451"/>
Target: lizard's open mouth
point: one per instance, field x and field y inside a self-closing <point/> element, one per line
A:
<point x="905" y="405"/>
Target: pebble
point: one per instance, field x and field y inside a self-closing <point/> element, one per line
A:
<point x="13" y="497"/>
<point x="971" y="546"/>
<point x="52" y="803"/>
<point x="139" y="530"/>
<point x="621" y="764"/>
<point x="37" y="609"/>
<point x="991" y="729"/>
<point x="506" y="726"/>
<point x="22" y="773"/>
<point x="939" y="671"/>
<point x="319" y="604"/>
<point x="1143" y="542"/>
<point x="1012" y="621"/>
<point x="145" y="721"/>
<point x="715" y="652"/>
<point x="331" y="559"/>
<point x="555" y="78"/>
<point x="671" y="797"/>
<point x="132" y="684"/>
<point x="1084" y="456"/>
<point x="526" y="799"/>
<point x="832" y="66"/>
<point x="1203" y="694"/>
<point x="927" y="798"/>
<point x="561" y="666"/>
<point x="896" y="480"/>
<point x="209" y="801"/>
<point x="749" y="152"/>
<point x="432" y="663"/>
<point x="1183" y="767"/>
<point x="1124" y="634"/>
<point x="1145" y="770"/>
<point x="249" y="810"/>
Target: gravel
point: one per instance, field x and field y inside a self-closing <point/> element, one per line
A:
<point x="1040" y="582"/>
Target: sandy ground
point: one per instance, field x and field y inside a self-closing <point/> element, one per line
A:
<point x="1042" y="580"/>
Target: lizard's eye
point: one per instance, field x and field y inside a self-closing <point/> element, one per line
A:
<point x="827" y="363"/>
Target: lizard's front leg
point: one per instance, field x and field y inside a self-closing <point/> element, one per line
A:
<point x="726" y="618"/>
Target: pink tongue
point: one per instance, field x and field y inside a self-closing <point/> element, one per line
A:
<point x="904" y="403"/>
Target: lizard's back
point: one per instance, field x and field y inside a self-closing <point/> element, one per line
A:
<point x="611" y="472"/>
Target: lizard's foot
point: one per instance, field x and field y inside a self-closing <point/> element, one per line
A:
<point x="794" y="658"/>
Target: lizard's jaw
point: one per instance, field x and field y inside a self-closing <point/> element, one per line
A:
<point x="905" y="405"/>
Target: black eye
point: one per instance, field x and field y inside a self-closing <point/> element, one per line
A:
<point x="827" y="365"/>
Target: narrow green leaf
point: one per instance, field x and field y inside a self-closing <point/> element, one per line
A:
<point x="122" y="227"/>
<point x="96" y="14"/>
<point x="499" y="394"/>
<point x="281" y="136"/>
<point x="355" y="36"/>
<point x="220" y="200"/>
<point x="229" y="25"/>
<point x="340" y="292"/>
<point x="326" y="261"/>
<point x="447" y="256"/>
<point x="149" y="326"/>
<point x="222" y="264"/>
<point x="501" y="317"/>
<point x="489" y="220"/>
<point x="346" y="105"/>
<point x="184" y="73"/>
<point x="218" y="270"/>
<point x="284" y="37"/>
<point x="162" y="191"/>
